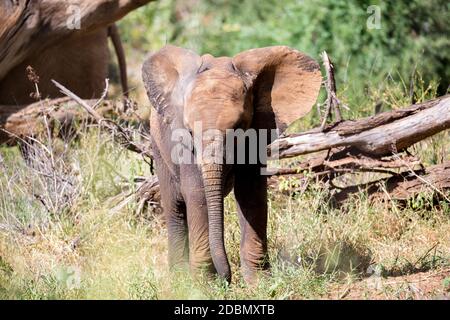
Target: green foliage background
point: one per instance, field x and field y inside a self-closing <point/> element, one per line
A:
<point x="413" y="35"/>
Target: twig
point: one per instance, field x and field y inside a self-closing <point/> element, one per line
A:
<point x="412" y="85"/>
<point x="426" y="254"/>
<point x="428" y="183"/>
<point x="332" y="102"/>
<point x="104" y="94"/>
<point x="125" y="137"/>
<point x="80" y="101"/>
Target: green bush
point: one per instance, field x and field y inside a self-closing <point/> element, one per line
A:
<point x="412" y="36"/>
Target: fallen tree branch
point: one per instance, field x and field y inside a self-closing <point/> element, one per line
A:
<point x="20" y="122"/>
<point x="339" y="161"/>
<point x="377" y="136"/>
<point x="124" y="136"/>
<point x="404" y="186"/>
<point x="351" y="163"/>
<point x="399" y="187"/>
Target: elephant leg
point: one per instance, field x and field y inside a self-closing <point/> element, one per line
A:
<point x="250" y="190"/>
<point x="178" y="245"/>
<point x="197" y="217"/>
<point x="175" y="214"/>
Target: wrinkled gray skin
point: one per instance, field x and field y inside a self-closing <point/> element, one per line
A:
<point x="263" y="88"/>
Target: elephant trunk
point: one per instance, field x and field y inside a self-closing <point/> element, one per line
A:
<point x="213" y="183"/>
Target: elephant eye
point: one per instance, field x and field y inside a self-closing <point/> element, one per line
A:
<point x="234" y="68"/>
<point x="202" y="68"/>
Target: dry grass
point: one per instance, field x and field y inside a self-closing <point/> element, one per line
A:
<point x="89" y="251"/>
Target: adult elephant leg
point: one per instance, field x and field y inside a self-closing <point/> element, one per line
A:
<point x="200" y="259"/>
<point x="175" y="214"/>
<point x="250" y="190"/>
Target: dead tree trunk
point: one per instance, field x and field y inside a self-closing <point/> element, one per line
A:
<point x="20" y="122"/>
<point x="371" y="144"/>
<point x="377" y="136"/>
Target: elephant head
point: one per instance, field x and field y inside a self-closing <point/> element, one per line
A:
<point x="265" y="88"/>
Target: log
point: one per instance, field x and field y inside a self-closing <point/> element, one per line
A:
<point x="379" y="135"/>
<point x="343" y="162"/>
<point x="377" y="141"/>
<point x="20" y="122"/>
<point x="433" y="180"/>
<point x="411" y="124"/>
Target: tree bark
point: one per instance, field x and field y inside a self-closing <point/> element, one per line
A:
<point x="433" y="180"/>
<point x="20" y="122"/>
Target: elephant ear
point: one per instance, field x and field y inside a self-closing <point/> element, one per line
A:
<point x="166" y="75"/>
<point x="285" y="82"/>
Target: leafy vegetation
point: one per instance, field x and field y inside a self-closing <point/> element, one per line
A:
<point x="367" y="51"/>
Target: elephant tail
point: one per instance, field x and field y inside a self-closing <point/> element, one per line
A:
<point x="113" y="33"/>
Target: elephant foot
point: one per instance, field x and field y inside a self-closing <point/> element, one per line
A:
<point x="179" y="267"/>
<point x="202" y="269"/>
<point x="253" y="277"/>
<point x="254" y="272"/>
<point x="178" y="271"/>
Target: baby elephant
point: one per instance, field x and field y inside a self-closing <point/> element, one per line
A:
<point x="208" y="99"/>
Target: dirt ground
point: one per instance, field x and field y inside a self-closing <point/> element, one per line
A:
<point x="434" y="284"/>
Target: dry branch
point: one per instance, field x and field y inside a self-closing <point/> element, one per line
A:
<point x="369" y="144"/>
<point x="343" y="159"/>
<point x="339" y="161"/>
<point x="20" y="122"/>
<point x="377" y="136"/>
<point x="124" y="136"/>
<point x="335" y="162"/>
<point x="404" y="186"/>
<point x="332" y="102"/>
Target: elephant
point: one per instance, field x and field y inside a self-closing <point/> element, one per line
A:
<point x="84" y="73"/>
<point x="262" y="88"/>
<point x="60" y="40"/>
